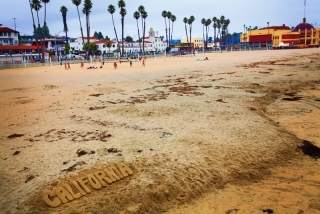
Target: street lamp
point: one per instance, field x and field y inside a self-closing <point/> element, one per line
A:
<point x="268" y="35"/>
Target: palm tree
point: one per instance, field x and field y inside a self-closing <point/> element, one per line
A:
<point x="219" y="27"/>
<point x="44" y="23"/>
<point x="64" y="11"/>
<point x="226" y="23"/>
<point x="87" y="10"/>
<point x="36" y="5"/>
<point x="169" y="14"/>
<point x="190" y="21"/>
<point x="203" y="22"/>
<point x="123" y="13"/>
<point x="207" y="24"/>
<point x="141" y="10"/>
<point x="136" y="15"/>
<point x="164" y="15"/>
<point x="111" y="10"/>
<point x="77" y="3"/>
<point x="173" y="19"/>
<point x="144" y="16"/>
<point x="185" y="20"/>
<point x="222" y="19"/>
<point x="214" y="19"/>
<point x="34" y="25"/>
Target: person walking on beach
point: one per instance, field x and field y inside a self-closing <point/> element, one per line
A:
<point x="115" y="65"/>
<point x="82" y="64"/>
<point x="69" y="66"/>
<point x="65" y="66"/>
<point x="144" y="62"/>
<point x="130" y="63"/>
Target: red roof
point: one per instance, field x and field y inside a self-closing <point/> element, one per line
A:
<point x="283" y="27"/>
<point x="18" y="47"/>
<point x="303" y="27"/>
<point x="7" y="30"/>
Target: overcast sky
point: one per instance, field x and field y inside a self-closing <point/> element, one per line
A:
<point x="248" y="12"/>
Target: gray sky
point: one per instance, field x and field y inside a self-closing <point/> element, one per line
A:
<point x="248" y="12"/>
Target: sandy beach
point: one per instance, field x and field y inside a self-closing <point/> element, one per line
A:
<point x="238" y="133"/>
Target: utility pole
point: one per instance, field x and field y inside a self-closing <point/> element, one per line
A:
<point x="14" y="23"/>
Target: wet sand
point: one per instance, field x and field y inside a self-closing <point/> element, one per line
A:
<point x="239" y="133"/>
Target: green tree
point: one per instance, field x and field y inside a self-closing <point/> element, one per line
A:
<point x="136" y="15"/>
<point x="67" y="48"/>
<point x="64" y="11"/>
<point x="34" y="25"/>
<point x="95" y="34"/>
<point x="164" y="15"/>
<point x="185" y="20"/>
<point x="111" y="10"/>
<point x="100" y="36"/>
<point x="107" y="38"/>
<point x="87" y="6"/>
<point x="108" y="45"/>
<point x="90" y="46"/>
<point x="128" y="39"/>
<point x="77" y="3"/>
<point x="123" y="13"/>
<point x="161" y="37"/>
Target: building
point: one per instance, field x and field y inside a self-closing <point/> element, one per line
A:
<point x="196" y="43"/>
<point x="303" y="35"/>
<point x="8" y="36"/>
<point x="152" y="43"/>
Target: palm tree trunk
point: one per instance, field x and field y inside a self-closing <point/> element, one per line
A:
<point x="66" y="51"/>
<point x="165" y="20"/>
<point x="80" y="26"/>
<point x="144" y="32"/>
<point x="206" y="36"/>
<point x="88" y="35"/>
<point x="115" y="31"/>
<point x="139" y="35"/>
<point x="204" y="41"/>
<point x="185" y="25"/>
<point x="171" y="31"/>
<point x="37" y="35"/>
<point x="34" y="26"/>
<point x="122" y="23"/>
<point x="44" y="30"/>
<point x="190" y="28"/>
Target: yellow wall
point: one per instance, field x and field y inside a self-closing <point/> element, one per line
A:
<point x="196" y="42"/>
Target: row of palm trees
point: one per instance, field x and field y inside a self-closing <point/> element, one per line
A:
<point x="141" y="12"/>
<point x="189" y="22"/>
<point x="168" y="15"/>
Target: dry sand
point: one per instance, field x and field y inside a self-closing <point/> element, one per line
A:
<point x="239" y="133"/>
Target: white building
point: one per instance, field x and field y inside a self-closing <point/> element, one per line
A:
<point x="8" y="36"/>
<point x="151" y="44"/>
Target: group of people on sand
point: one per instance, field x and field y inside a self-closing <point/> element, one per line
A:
<point x="115" y="65"/>
<point x="67" y="66"/>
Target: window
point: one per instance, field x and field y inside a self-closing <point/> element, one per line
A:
<point x="5" y="41"/>
<point x="15" y="34"/>
<point x="5" y="34"/>
<point x="1" y="34"/>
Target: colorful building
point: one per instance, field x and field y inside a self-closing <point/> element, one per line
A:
<point x="303" y="35"/>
